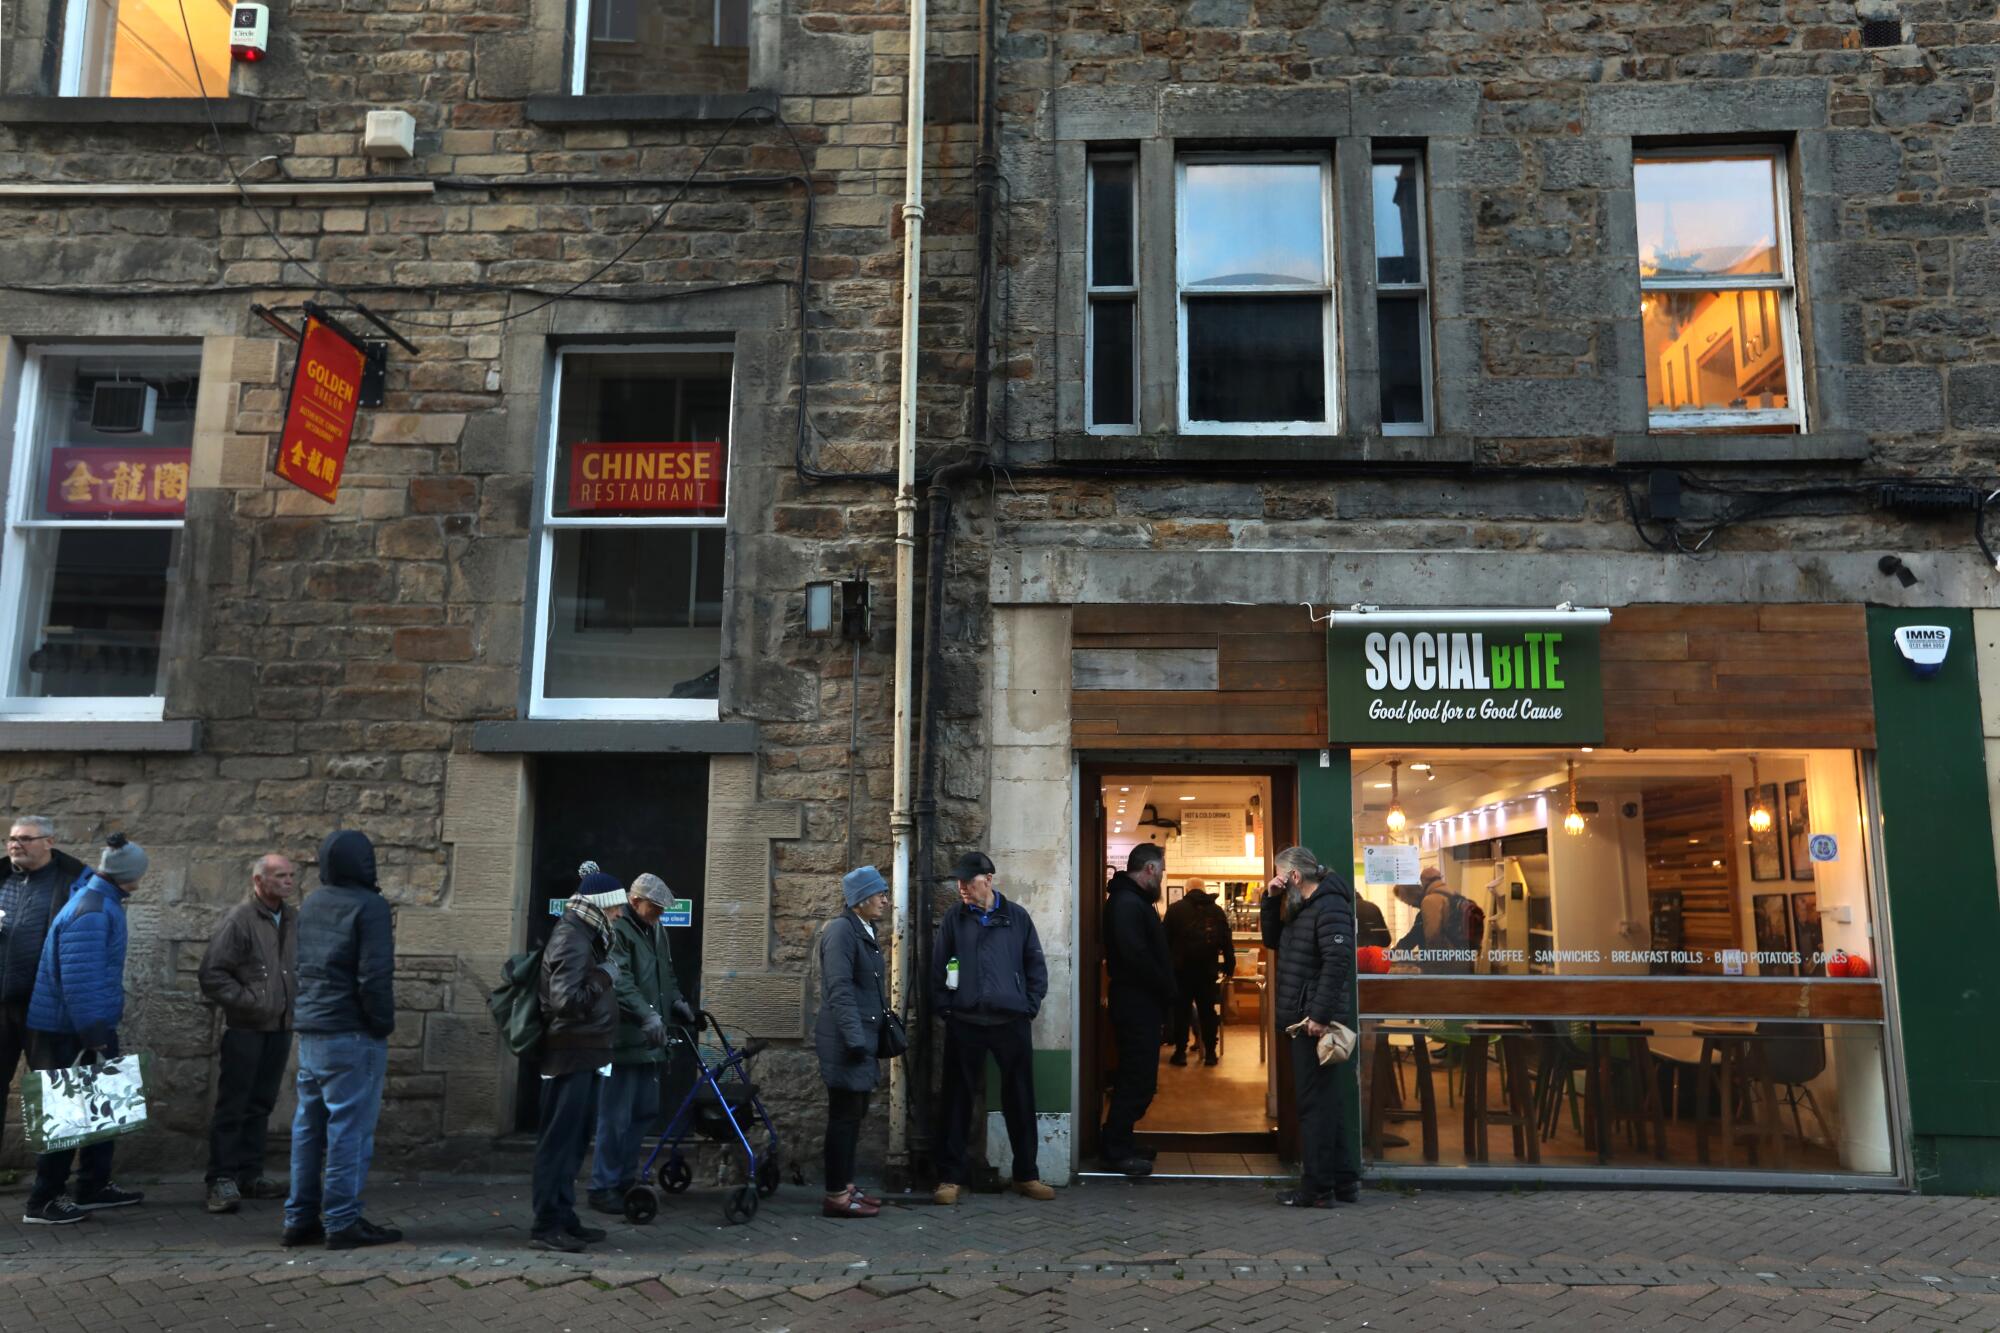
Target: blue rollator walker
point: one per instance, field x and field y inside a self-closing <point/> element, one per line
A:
<point x="722" y="1106"/>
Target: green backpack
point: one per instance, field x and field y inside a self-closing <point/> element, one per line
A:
<point x="516" y="1003"/>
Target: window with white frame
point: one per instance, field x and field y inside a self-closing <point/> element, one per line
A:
<point x="1111" y="328"/>
<point x="140" y="48"/>
<point x="631" y="558"/>
<point x="660" y="46"/>
<point x="1255" y="258"/>
<point x="97" y="491"/>
<point x="1402" y="291"/>
<point x="1717" y="293"/>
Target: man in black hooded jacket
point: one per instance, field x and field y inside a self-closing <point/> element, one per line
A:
<point x="345" y="1011"/>
<point x="1142" y="994"/>
<point x="1308" y="916"/>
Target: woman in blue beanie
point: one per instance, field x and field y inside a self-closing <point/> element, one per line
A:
<point x="848" y="1033"/>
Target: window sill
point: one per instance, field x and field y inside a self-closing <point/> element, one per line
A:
<point x="643" y="108"/>
<point x="238" y="112"/>
<point x="1264" y="448"/>
<point x="580" y="735"/>
<point x="99" y="735"/>
<point x="1833" y="446"/>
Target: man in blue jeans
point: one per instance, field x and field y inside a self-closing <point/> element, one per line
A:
<point x="346" y="1010"/>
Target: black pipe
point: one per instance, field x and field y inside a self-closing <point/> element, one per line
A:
<point x="938" y="534"/>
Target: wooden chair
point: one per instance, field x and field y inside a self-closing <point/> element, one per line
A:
<point x="1381" y="1078"/>
<point x="1513" y="1039"/>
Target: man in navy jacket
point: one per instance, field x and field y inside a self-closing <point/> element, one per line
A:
<point x="988" y="979"/>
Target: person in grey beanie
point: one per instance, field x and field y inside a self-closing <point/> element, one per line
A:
<point x="848" y="1033"/>
<point x="79" y="999"/>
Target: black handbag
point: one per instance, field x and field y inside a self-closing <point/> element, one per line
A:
<point x="893" y="1038"/>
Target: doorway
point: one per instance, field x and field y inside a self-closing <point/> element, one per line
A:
<point x="1223" y="1107"/>
<point x="630" y="814"/>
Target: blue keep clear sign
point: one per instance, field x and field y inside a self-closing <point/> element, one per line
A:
<point x="680" y="914"/>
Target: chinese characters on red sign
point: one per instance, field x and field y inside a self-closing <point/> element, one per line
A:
<point x="319" y="420"/>
<point x="118" y="483"/>
<point x="679" y="478"/>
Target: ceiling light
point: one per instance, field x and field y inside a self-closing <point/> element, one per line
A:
<point x="1420" y="768"/>
<point x="1380" y="786"/>
<point x="1573" y="823"/>
<point x="1396" y="819"/>
<point x="1124" y="789"/>
<point x="1187" y="798"/>
<point x="1760" y="814"/>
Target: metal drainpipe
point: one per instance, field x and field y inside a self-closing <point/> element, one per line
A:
<point x="901" y="819"/>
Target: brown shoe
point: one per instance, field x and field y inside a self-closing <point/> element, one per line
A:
<point x="947" y="1194"/>
<point x="1034" y="1189"/>
<point x="848" y="1204"/>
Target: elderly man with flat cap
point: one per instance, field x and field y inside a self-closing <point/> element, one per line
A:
<point x="988" y="978"/>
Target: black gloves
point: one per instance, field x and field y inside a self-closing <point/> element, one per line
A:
<point x="684" y="1013"/>
<point x="610" y="967"/>
<point x="654" y="1031"/>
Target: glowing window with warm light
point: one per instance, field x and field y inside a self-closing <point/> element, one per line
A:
<point x="142" y="48"/>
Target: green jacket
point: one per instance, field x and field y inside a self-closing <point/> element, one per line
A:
<point x="646" y="986"/>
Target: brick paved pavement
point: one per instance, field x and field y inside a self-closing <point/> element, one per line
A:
<point x="1150" y="1257"/>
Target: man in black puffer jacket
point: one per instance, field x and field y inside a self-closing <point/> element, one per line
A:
<point x="1142" y="994"/>
<point x="579" y="993"/>
<point x="1308" y="917"/>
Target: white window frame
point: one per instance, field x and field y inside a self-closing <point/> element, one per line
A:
<point x="1785" y="283"/>
<point x="84" y="32"/>
<point x="581" y="38"/>
<point x="1418" y="292"/>
<point x="1328" y="293"/>
<point x="614" y="709"/>
<point x="1094" y="291"/>
<point x="22" y="491"/>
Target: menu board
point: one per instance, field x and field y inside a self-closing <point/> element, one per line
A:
<point x="1211" y="832"/>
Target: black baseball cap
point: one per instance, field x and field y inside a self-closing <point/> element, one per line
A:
<point x="972" y="865"/>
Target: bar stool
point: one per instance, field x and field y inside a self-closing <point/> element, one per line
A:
<point x="1519" y="1115"/>
<point x="1741" y="1061"/>
<point x="1381" y="1077"/>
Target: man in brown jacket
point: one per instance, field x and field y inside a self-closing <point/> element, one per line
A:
<point x="251" y="973"/>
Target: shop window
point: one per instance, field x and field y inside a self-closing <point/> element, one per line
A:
<point x="1256" y="295"/>
<point x="1111" y="328"/>
<point x="98" y="490"/>
<point x="633" y="535"/>
<point x="1717" y="296"/>
<point x="661" y="46"/>
<point x="1402" y="292"/>
<point x="140" y="48"/>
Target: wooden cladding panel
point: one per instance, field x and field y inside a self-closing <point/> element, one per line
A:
<point x="1675" y="677"/>
<point x="1621" y="997"/>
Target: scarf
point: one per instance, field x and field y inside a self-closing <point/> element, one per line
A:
<point x="590" y="914"/>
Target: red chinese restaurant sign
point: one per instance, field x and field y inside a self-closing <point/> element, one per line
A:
<point x="319" y="420"/>
<point x="676" y="478"/>
<point x="118" y="483"/>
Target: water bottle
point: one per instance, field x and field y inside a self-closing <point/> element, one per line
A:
<point x="951" y="975"/>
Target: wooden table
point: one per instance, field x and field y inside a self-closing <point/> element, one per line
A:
<point x="1381" y="1078"/>
<point x="1738" y="1049"/>
<point x="1513" y="1039"/>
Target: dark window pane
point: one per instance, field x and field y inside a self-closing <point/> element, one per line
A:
<point x="635" y="613"/>
<point x="96" y="605"/>
<point x="1111" y="224"/>
<point x="668" y="46"/>
<point x="1256" y="358"/>
<point x="1400" y="346"/>
<point x="1398" y="239"/>
<point x="1111" y="363"/>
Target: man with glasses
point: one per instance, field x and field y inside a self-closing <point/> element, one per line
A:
<point x="39" y="878"/>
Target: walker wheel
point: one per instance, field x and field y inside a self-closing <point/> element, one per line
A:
<point x="675" y="1176"/>
<point x="768" y="1178"/>
<point x="641" y="1205"/>
<point x="742" y="1205"/>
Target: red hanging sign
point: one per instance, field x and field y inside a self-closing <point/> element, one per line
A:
<point x="118" y="483"/>
<point x="682" y="477"/>
<point x="319" y="418"/>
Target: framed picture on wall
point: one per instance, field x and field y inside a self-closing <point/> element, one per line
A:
<point x="1798" y="828"/>
<point x="1805" y="929"/>
<point x="1664" y="914"/>
<point x="1767" y="856"/>
<point x="1771" y="914"/>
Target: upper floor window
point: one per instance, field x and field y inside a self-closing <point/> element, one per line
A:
<point x="1718" y="303"/>
<point x="1402" y="291"/>
<point x="661" y="46"/>
<point x="98" y="488"/>
<point x="631" y="558"/>
<point x="140" y="48"/>
<point x="1255" y="259"/>
<point x="1111" y="383"/>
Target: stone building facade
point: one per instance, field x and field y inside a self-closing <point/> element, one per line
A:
<point x="370" y="664"/>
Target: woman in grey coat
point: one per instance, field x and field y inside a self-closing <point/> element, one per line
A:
<point x="849" y="1032"/>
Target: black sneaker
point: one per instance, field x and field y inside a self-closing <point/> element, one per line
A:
<point x="223" y="1196"/>
<point x="360" y="1234"/>
<point x="1178" y="1058"/>
<point x="263" y="1188"/>
<point x="108" y="1195"/>
<point x="588" y="1235"/>
<point x="57" y="1212"/>
<point x="555" y="1240"/>
<point x="1348" y="1193"/>
<point x="1301" y="1199"/>
<point x="1133" y="1167"/>
<point x="1211" y="1061"/>
<point x="608" y="1201"/>
<point x="311" y="1233"/>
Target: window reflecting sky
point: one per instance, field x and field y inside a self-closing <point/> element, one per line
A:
<point x="1707" y="216"/>
<point x="1252" y="223"/>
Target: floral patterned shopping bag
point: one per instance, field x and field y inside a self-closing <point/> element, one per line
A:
<point x="67" y="1108"/>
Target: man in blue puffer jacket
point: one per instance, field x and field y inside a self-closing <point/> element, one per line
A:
<point x="79" y="999"/>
